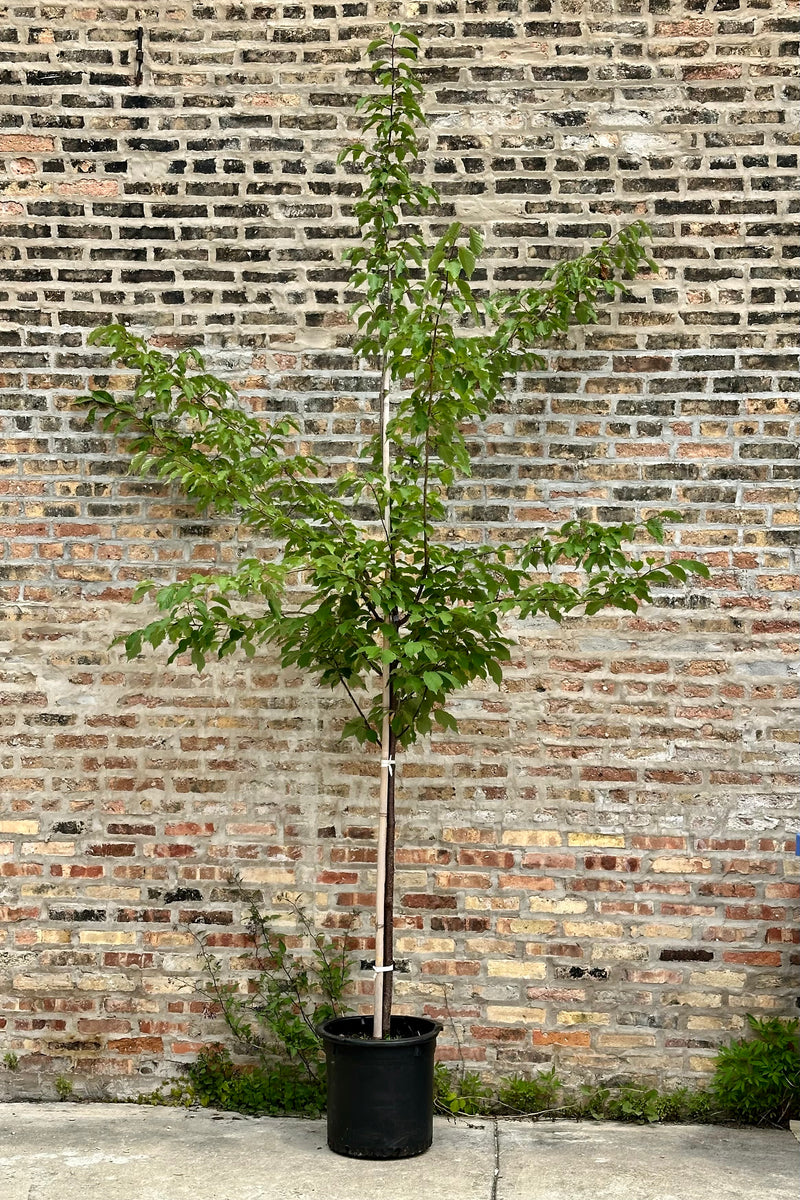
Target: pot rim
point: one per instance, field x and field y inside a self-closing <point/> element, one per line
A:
<point x="378" y="1043"/>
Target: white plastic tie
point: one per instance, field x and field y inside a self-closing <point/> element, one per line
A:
<point x="380" y="970"/>
<point x="388" y="762"/>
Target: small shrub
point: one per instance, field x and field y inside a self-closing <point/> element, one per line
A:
<point x="757" y="1080"/>
<point x="276" y="1020"/>
<point x="532" y="1096"/>
<point x="10" y="1061"/>
<point x="217" y="1082"/>
<point x="63" y="1087"/>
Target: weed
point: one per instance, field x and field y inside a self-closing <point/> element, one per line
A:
<point x="532" y="1096"/>
<point x="10" y="1061"/>
<point x="757" y="1080"/>
<point x="644" y="1105"/>
<point x="214" y="1080"/>
<point x="181" y="1094"/>
<point x="684" y="1104"/>
<point x="460" y="1093"/>
<point x="217" y="1082"/>
<point x="635" y="1103"/>
<point x="63" y="1087"/>
<point x="594" y="1103"/>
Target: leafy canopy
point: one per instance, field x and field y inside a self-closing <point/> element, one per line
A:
<point x="377" y="592"/>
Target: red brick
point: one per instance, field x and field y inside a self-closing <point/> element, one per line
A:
<point x="754" y="912"/>
<point x="448" y="966"/>
<point x="562" y="1037"/>
<point x="426" y="900"/>
<point x="781" y="934"/>
<point x="647" y="842"/>
<point x="749" y="866"/>
<point x="781" y="891"/>
<point x="26" y="141"/>
<point x="752" y="958"/>
<point x="542" y="861"/>
<point x="497" y="1033"/>
<point x="103" y="1025"/>
<point x="611" y="862"/>
<point x="528" y="883"/>
<point x="608" y="774"/>
<point x="115" y="958"/>
<point x="423" y="856"/>
<point x="189" y="829"/>
<point x="485" y="858"/>
<point x="581" y="665"/>
<point x="661" y="775"/>
<point x="184" y="1048"/>
<point x="598" y="885"/>
<point x="459" y="1054"/>
<point x="741" y="891"/>
<point x="136" y="1045"/>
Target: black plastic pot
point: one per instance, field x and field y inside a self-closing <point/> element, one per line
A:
<point x="380" y="1093"/>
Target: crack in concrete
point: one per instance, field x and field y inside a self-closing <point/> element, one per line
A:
<point x="496" y="1175"/>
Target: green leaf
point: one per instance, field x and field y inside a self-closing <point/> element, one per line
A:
<point x="698" y="568"/>
<point x="133" y="644"/>
<point x="467" y="260"/>
<point x="495" y="671"/>
<point x="445" y="719"/>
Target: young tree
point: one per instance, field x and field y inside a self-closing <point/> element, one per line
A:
<point x="393" y="612"/>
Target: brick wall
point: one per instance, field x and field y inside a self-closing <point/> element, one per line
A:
<point x="598" y="867"/>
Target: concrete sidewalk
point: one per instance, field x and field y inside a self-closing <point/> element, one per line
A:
<point x="124" y="1152"/>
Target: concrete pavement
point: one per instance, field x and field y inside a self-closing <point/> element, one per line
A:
<point x="74" y="1151"/>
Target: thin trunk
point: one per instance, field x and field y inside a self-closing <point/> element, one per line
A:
<point x="384" y="851"/>
<point x="384" y="887"/>
<point x="388" y="894"/>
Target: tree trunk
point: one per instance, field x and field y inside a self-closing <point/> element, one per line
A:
<point x="384" y="884"/>
<point x="385" y="856"/>
<point x="388" y="893"/>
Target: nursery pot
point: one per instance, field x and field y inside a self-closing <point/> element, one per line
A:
<point x="380" y="1093"/>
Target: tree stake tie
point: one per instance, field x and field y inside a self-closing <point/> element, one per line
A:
<point x="389" y="764"/>
<point x="380" y="970"/>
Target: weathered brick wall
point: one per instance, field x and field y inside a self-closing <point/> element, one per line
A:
<point x="597" y="867"/>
